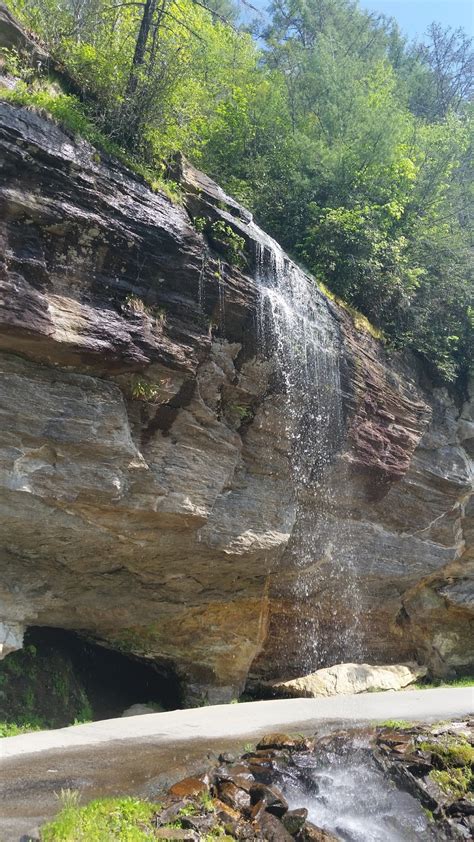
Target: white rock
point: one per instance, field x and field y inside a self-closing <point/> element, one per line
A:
<point x="140" y="709"/>
<point x="345" y="679"/>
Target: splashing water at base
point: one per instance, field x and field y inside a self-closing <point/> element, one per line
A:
<point x="297" y="327"/>
<point x="347" y="794"/>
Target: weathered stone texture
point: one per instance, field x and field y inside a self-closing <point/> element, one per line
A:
<point x="145" y="498"/>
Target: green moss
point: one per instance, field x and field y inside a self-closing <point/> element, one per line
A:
<point x="103" y="820"/>
<point x="453" y="782"/>
<point x="39" y="689"/>
<point x="396" y="724"/>
<point x="361" y="322"/>
<point x="453" y="758"/>
<point x="450" y="752"/>
<point x="137" y="639"/>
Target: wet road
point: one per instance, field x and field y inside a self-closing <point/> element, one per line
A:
<point x="140" y="755"/>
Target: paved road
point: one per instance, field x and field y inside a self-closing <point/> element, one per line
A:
<point x="139" y="755"/>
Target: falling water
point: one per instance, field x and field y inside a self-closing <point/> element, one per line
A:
<point x="297" y="327"/>
<point x="347" y="794"/>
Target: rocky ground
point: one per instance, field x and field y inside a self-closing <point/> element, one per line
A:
<point x="241" y="797"/>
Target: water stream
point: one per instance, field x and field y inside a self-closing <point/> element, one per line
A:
<point x="297" y="328"/>
<point x="347" y="794"/>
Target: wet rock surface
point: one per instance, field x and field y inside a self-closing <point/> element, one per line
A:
<point x="239" y="799"/>
<point x="436" y="765"/>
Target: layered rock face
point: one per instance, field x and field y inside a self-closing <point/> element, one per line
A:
<point x="146" y="494"/>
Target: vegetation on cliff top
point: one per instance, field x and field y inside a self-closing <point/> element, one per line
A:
<point x="352" y="146"/>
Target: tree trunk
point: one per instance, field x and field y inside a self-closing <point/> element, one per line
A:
<point x="140" y="46"/>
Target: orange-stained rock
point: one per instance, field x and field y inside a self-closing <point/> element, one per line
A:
<point x="188" y="787"/>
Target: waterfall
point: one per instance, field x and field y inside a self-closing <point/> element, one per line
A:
<point x="297" y="328"/>
<point x="348" y="795"/>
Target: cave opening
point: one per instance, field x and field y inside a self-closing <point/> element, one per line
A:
<point x="59" y="678"/>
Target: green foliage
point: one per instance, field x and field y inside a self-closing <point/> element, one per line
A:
<point x="143" y="390"/>
<point x="12" y="729"/>
<point x="38" y="690"/>
<point x="14" y="63"/>
<point x="453" y="782"/>
<point x="428" y="684"/>
<point x="200" y="223"/>
<point x="103" y="820"/>
<point x="223" y="235"/>
<point x="353" y="147"/>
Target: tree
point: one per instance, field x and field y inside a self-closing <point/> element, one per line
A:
<point x="445" y="79"/>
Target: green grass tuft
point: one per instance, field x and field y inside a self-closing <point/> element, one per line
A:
<point x="13" y="729"/>
<point x="103" y="820"/>
<point x="429" y="684"/>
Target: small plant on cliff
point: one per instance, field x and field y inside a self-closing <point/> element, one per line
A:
<point x="200" y="223"/>
<point x="245" y="413"/>
<point x="207" y="801"/>
<point x="142" y="390"/>
<point x="14" y="63"/>
<point x="135" y="303"/>
<point x="231" y="242"/>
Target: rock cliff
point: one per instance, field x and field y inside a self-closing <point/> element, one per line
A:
<point x="145" y="499"/>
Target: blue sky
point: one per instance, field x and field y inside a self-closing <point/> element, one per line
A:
<point x="414" y="16"/>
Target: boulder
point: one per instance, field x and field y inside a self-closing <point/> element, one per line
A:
<point x="189" y="787"/>
<point x="271" y="797"/>
<point x="273" y="829"/>
<point x="311" y="833"/>
<point x="140" y="709"/>
<point x="346" y="679"/>
<point x="294" y="820"/>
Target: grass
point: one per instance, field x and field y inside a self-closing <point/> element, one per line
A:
<point x="102" y="820"/>
<point x="110" y="819"/>
<point x="69" y="113"/>
<point x="13" y="729"/>
<point x="462" y="681"/>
